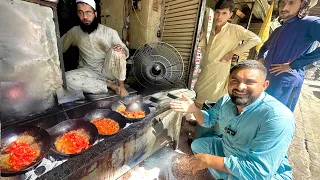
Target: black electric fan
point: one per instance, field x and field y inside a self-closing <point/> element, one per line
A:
<point x="158" y="66"/>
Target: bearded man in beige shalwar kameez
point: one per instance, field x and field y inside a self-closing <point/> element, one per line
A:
<point x="223" y="44"/>
<point x="102" y="54"/>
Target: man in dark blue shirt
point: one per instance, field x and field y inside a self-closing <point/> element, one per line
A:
<point x="287" y="51"/>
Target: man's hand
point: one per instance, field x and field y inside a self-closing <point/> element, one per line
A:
<point x="227" y="57"/>
<point x="123" y="92"/>
<point x="261" y="60"/>
<point x="279" y="68"/>
<point x="119" y="48"/>
<point x="198" y="162"/>
<point x="184" y="106"/>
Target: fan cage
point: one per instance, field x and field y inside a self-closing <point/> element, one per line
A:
<point x="158" y="65"/>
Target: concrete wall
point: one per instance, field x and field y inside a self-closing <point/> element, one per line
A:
<point x="211" y="4"/>
<point x="112" y="14"/>
<point x="145" y="31"/>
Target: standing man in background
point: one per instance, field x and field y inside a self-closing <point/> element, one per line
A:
<point x="223" y="44"/>
<point x="287" y="51"/>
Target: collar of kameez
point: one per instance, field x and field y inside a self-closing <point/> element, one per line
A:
<point x="224" y="26"/>
<point x="255" y="103"/>
<point x="222" y="29"/>
<point x="290" y="20"/>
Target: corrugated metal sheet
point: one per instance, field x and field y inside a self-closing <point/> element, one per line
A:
<point x="180" y="22"/>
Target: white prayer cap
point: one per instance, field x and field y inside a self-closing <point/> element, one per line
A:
<point x="90" y="2"/>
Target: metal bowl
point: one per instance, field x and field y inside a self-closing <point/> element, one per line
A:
<point x="69" y="125"/>
<point x="40" y="136"/>
<point x="106" y="113"/>
<point x="143" y="107"/>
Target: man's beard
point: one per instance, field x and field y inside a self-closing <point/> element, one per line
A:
<point x="242" y="101"/>
<point x="288" y="16"/>
<point x="89" y="28"/>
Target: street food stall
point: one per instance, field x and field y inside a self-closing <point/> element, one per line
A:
<point x="42" y="139"/>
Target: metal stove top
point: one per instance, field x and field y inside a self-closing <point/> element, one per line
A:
<point x="52" y="161"/>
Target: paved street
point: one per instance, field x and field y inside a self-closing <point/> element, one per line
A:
<point x="304" y="153"/>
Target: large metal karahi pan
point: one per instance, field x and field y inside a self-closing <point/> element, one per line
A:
<point x="39" y="136"/>
<point x="127" y="101"/>
<point x="106" y="113"/>
<point x="69" y="125"/>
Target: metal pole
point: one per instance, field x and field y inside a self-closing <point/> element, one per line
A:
<point x="251" y="15"/>
<point x="196" y="41"/>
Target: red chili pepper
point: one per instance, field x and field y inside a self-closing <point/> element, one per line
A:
<point x="72" y="142"/>
<point x="21" y="154"/>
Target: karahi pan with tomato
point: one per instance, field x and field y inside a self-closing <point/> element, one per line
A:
<point x="74" y="130"/>
<point x="107" y="121"/>
<point x="137" y="116"/>
<point x="22" y="148"/>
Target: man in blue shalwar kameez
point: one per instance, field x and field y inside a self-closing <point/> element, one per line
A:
<point x="256" y="129"/>
<point x="287" y="51"/>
